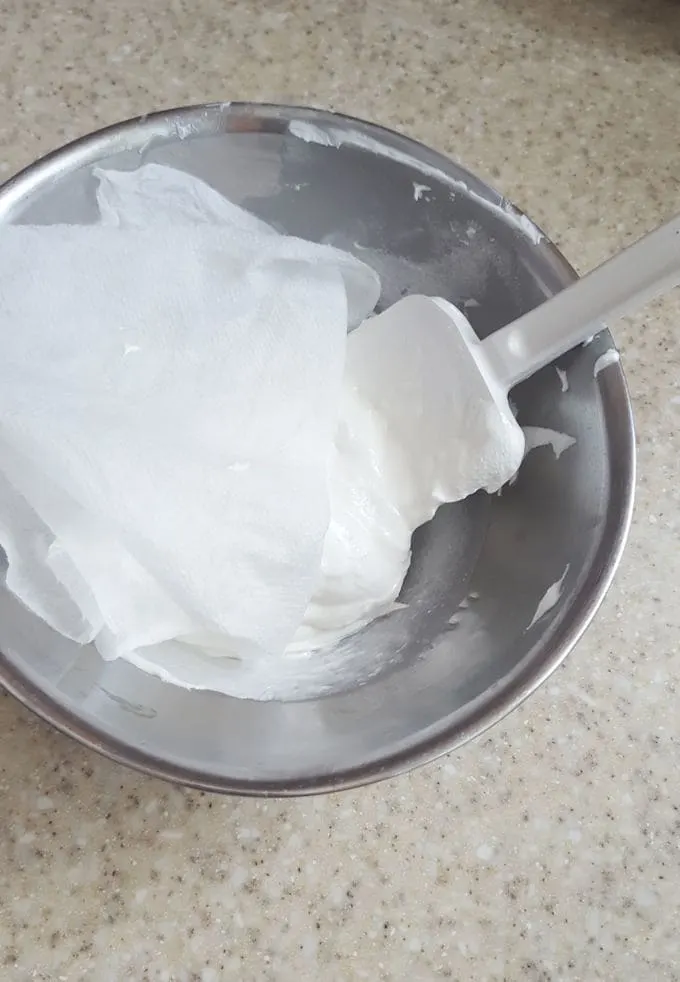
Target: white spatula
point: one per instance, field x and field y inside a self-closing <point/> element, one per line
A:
<point x="488" y="369"/>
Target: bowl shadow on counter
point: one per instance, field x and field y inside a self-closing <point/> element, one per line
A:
<point x="635" y="27"/>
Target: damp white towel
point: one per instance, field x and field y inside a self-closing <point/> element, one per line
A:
<point x="169" y="388"/>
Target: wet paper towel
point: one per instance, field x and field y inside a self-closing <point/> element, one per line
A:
<point x="162" y="372"/>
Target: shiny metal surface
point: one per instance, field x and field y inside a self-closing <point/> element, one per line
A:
<point x="462" y="653"/>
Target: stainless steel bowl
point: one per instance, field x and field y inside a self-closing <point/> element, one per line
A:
<point x="462" y="653"/>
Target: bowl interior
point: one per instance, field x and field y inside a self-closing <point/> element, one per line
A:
<point x="466" y="646"/>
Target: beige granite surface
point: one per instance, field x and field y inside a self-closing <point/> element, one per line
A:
<point x="550" y="849"/>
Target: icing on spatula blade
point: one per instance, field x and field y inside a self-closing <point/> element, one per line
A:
<point x="437" y="397"/>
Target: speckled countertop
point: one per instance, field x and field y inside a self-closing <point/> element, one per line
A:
<point x="549" y="850"/>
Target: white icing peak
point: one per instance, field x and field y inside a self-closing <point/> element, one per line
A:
<point x="541" y="436"/>
<point x="408" y="439"/>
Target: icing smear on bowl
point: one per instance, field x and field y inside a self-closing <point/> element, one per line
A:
<point x="335" y="136"/>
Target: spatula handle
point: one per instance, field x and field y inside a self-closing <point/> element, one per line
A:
<point x="619" y="286"/>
